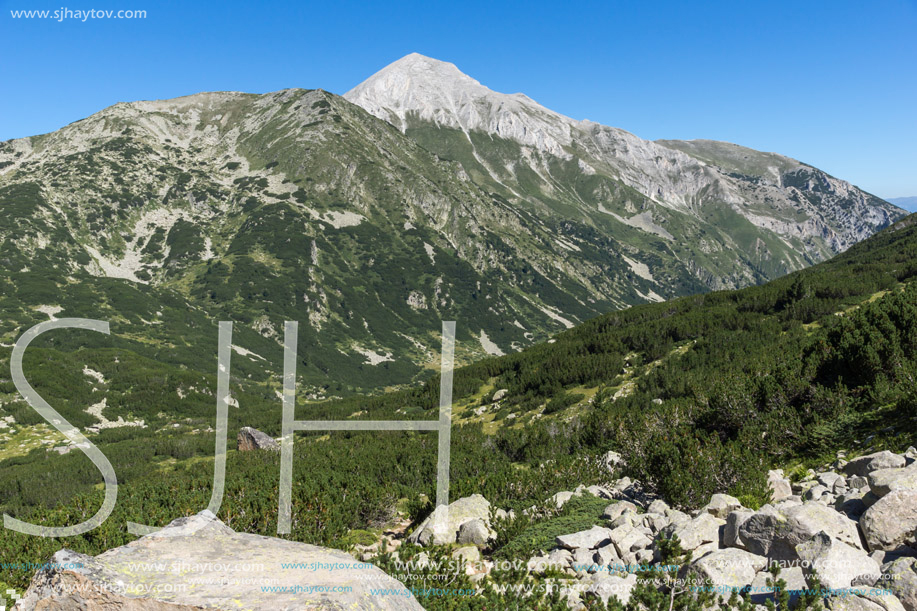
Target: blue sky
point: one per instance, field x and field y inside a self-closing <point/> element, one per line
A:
<point x="833" y="83"/>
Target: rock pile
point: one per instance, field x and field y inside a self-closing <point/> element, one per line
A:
<point x="852" y="529"/>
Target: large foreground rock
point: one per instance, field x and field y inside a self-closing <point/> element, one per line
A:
<point x="891" y="524"/>
<point x="775" y="533"/>
<point x="902" y="581"/>
<point x="199" y="563"/>
<point x="836" y="564"/>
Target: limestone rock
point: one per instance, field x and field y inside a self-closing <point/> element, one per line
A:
<point x="218" y="569"/>
<point x="779" y="485"/>
<point x="474" y="531"/>
<point x="891" y="523"/>
<point x="733" y="568"/>
<point x="588" y="539"/>
<point x="883" y="481"/>
<point x="436" y="530"/>
<point x="873" y="462"/>
<point x="902" y="581"/>
<point x="775" y="533"/>
<point x="613" y="511"/>
<point x="252" y="439"/>
<point x="605" y="586"/>
<point x="698" y="531"/>
<point x="721" y="505"/>
<point x="837" y="564"/>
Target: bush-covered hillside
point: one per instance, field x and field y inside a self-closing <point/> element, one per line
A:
<point x="699" y="394"/>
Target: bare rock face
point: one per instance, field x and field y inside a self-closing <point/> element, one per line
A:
<point x="199" y="563"/>
<point x="252" y="439"/>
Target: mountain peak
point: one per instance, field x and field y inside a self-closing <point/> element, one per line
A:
<point x="417" y="87"/>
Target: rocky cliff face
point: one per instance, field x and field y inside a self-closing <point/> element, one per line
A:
<point x="199" y="563"/>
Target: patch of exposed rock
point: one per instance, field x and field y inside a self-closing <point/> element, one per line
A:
<point x="199" y="563"/>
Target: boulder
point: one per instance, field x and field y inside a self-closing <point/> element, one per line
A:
<point x="437" y="530"/>
<point x="851" y="504"/>
<point x="658" y="506"/>
<point x="588" y="539"/>
<point x="857" y="602"/>
<point x="721" y="505"/>
<point x="613" y="511"/>
<point x="499" y="395"/>
<point x="814" y="493"/>
<point x="474" y="531"/>
<point x="779" y="485"/>
<point x="883" y="481"/>
<point x="891" y="523"/>
<point x="734" y="521"/>
<point x="250" y="439"/>
<point x="560" y="499"/>
<point x="199" y="563"/>
<point x="583" y="561"/>
<point x="606" y="555"/>
<point x="600" y="492"/>
<point x="627" y="540"/>
<point x="792" y="576"/>
<point x="732" y="568"/>
<point x="865" y="465"/>
<point x="696" y="532"/>
<point x="836" y="564"/>
<point x="606" y="586"/>
<point x="775" y="533"/>
<point x="901" y="579"/>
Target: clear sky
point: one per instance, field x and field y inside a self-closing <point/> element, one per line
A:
<point x="832" y="83"/>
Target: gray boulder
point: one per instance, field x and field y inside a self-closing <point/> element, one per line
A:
<point x="696" y="532"/>
<point x="864" y="465"/>
<point x="792" y="576"/>
<point x="733" y="568"/>
<point x="779" y="485"/>
<point x="734" y="522"/>
<point x="901" y="579"/>
<point x="474" y="531"/>
<point x="250" y="439"/>
<point x="442" y="527"/>
<point x="857" y="602"/>
<point x="836" y="564"/>
<point x="588" y="539"/>
<point x="607" y="586"/>
<point x="140" y="576"/>
<point x="891" y="523"/>
<point x="775" y="533"/>
<point x="721" y="505"/>
<point x="883" y="481"/>
<point x="615" y="510"/>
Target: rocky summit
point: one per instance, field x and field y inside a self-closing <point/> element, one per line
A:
<point x="200" y="563"/>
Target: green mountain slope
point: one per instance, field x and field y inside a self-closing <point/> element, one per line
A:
<point x="701" y="394"/>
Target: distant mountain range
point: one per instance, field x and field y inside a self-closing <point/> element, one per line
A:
<point x="419" y="196"/>
<point x="908" y="203"/>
